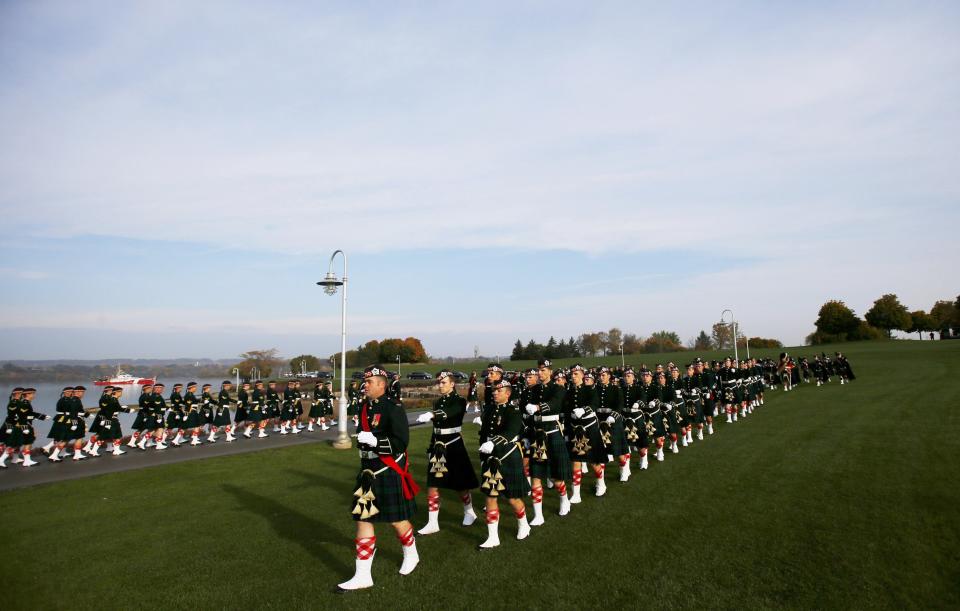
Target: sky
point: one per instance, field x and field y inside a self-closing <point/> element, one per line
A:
<point x="174" y="176"/>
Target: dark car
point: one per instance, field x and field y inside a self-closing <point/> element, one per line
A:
<point x="324" y="375"/>
<point x="357" y="375"/>
<point x="459" y="376"/>
<point x="419" y="375"/>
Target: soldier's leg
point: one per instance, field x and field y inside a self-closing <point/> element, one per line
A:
<point x="408" y="542"/>
<point x="366" y="549"/>
<point x="493" y="523"/>
<point x="577" y="479"/>
<point x="520" y="512"/>
<point x="598" y="473"/>
<point x="537" y="495"/>
<point x="469" y="515"/>
<point x="433" y="512"/>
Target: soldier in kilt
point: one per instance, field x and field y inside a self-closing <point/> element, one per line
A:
<point x="175" y="417"/>
<point x="158" y="409"/>
<point x="607" y="402"/>
<point x="191" y="413"/>
<point x="288" y="411"/>
<point x="109" y="420"/>
<point x="207" y="411"/>
<point x="221" y="413"/>
<point x="670" y="416"/>
<point x="500" y="461"/>
<point x="298" y="397"/>
<point x="649" y="400"/>
<point x="6" y="431"/>
<point x="684" y="417"/>
<point x="272" y="409"/>
<point x="257" y="413"/>
<point x="549" y="457"/>
<point x="473" y="392"/>
<point x="319" y="406"/>
<point x="583" y="432"/>
<point x="140" y="421"/>
<point x="690" y="385"/>
<point x="385" y="490"/>
<point x="449" y="463"/>
<point x="727" y="378"/>
<point x="96" y="427"/>
<point x="18" y="428"/>
<point x="745" y="388"/>
<point x="353" y="407"/>
<point x="240" y="418"/>
<point x="634" y="424"/>
<point x="708" y="382"/>
<point x="57" y="434"/>
<point x="77" y="425"/>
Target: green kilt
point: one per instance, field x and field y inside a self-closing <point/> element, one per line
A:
<point x="174" y="419"/>
<point x="586" y="443"/>
<point x="655" y="422"/>
<point x="140" y="422"/>
<point x="59" y="430"/>
<point x="635" y="423"/>
<point x="109" y="430"/>
<point x="674" y="421"/>
<point x="558" y="465"/>
<point x="511" y="469"/>
<point x="289" y="411"/>
<point x="222" y="417"/>
<point x="459" y="474"/>
<point x="20" y="435"/>
<point x="255" y="415"/>
<point x="192" y="419"/>
<point x="76" y="428"/>
<point x="693" y="411"/>
<point x="206" y="414"/>
<point x="618" y="436"/>
<point x="316" y="410"/>
<point x="97" y="425"/>
<point x="242" y="415"/>
<point x="387" y="491"/>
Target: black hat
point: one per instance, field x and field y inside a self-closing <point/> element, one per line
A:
<point x="105" y="388"/>
<point x="375" y="371"/>
<point x="78" y="388"/>
<point x="545" y="363"/>
<point x="530" y="372"/>
<point x="225" y="382"/>
<point x="26" y="390"/>
<point x="588" y="375"/>
<point x="444" y="374"/>
<point x="272" y="382"/>
<point x="577" y="367"/>
<point x="559" y="374"/>
<point x="603" y="370"/>
<point x="189" y="384"/>
<point x="258" y="383"/>
<point x="148" y="386"/>
<point x="65" y="388"/>
<point x="502" y="384"/>
<point x="494" y="367"/>
<point x="157" y="385"/>
<point x="17" y="389"/>
<point x="178" y="385"/>
<point x="205" y="386"/>
<point x="629" y="369"/>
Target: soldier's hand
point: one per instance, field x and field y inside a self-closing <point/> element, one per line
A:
<point x="425" y="417"/>
<point x="477" y="420"/>
<point x="532" y="408"/>
<point x="578" y="412"/>
<point x="486" y="447"/>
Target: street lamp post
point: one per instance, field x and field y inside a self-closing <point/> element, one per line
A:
<point x="733" y="326"/>
<point x="398" y="365"/>
<point x="330" y="284"/>
<point x="236" y="370"/>
<point x="623" y="363"/>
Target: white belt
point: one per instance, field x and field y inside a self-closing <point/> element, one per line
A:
<point x="635" y="410"/>
<point x="603" y="410"/>
<point x="553" y="418"/>
<point x="455" y="429"/>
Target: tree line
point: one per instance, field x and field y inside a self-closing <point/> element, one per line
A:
<point x="612" y="341"/>
<point x="837" y="322"/>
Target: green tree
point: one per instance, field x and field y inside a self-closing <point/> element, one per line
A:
<point x="575" y="348"/>
<point x="921" y="322"/>
<point x="722" y="336"/>
<point x="663" y="341"/>
<point x="888" y="314"/>
<point x="836" y="319"/>
<point x="550" y="350"/>
<point x="590" y="343"/>
<point x="632" y="344"/>
<point x="944" y="314"/>
<point x="517" y="354"/>
<point x="304" y="362"/>
<point x="263" y="362"/>
<point x="703" y="342"/>
<point x="533" y="350"/>
<point x="614" y="338"/>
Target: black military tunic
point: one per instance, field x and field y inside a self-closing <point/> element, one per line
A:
<point x="76" y="426"/>
<point x="290" y="400"/>
<point x="649" y="399"/>
<point x="607" y="403"/>
<point x="176" y="417"/>
<point x="257" y="410"/>
<point x="60" y="429"/>
<point x="19" y="424"/>
<point x="273" y="404"/>
<point x="191" y="406"/>
<point x="449" y="464"/>
<point x="502" y="424"/>
<point x="141" y="422"/>
<point x="634" y="424"/>
<point x="222" y="415"/>
<point x="109" y="418"/>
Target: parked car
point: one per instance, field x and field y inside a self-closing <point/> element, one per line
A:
<point x="357" y="375"/>
<point x="459" y="376"/>
<point x="419" y="375"/>
<point x="324" y="375"/>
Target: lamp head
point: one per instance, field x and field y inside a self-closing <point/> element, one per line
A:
<point x="330" y="283"/>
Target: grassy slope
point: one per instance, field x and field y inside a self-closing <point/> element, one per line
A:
<point x="836" y="497"/>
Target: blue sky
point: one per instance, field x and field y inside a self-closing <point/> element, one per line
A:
<point x="173" y="176"/>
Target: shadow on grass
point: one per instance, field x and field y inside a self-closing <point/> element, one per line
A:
<point x="307" y="532"/>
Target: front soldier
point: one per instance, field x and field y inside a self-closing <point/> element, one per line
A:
<point x="633" y="422"/>
<point x="548" y="452"/>
<point x="502" y="462"/>
<point x="385" y="489"/>
<point x="450" y="465"/>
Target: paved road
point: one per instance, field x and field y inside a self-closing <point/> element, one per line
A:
<point x="16" y="476"/>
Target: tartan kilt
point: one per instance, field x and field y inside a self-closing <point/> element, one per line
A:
<point x="707" y="407"/>
<point x="674" y="421"/>
<point x="327" y="407"/>
<point x="56" y="430"/>
<point x="96" y="427"/>
<point x="514" y="481"/>
<point x="109" y="430"/>
<point x="558" y="465"/>
<point x="140" y="421"/>
<point x="174" y="419"/>
<point x="222" y="416"/>
<point x="255" y="415"/>
<point x="388" y="492"/>
<point x="656" y="419"/>
<point x="618" y="439"/>
<point x="206" y="415"/>
<point x="21" y="435"/>
<point x="729" y="395"/>
<point x="193" y="420"/>
<point x="460" y="474"/>
<point x="697" y="416"/>
<point x="597" y="454"/>
<point x="316" y="409"/>
<point x="241" y="415"/>
<point x="640" y="425"/>
<point x="289" y="411"/>
<point x="76" y="433"/>
<point x="273" y="411"/>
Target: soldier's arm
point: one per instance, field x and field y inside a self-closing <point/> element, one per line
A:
<point x="394" y="434"/>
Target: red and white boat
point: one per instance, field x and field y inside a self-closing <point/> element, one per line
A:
<point x="121" y="378"/>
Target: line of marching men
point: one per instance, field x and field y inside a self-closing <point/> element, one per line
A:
<point x="185" y="416"/>
<point x="546" y="430"/>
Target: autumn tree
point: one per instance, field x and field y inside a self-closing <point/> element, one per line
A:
<point x="304" y="362"/>
<point x="921" y="322"/>
<point x="258" y="361"/>
<point x="722" y="336"/>
<point x="663" y="341"/>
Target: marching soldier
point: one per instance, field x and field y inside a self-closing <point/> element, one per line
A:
<point x="158" y="409"/>
<point x="607" y="404"/>
<point x="728" y="385"/>
<point x="353" y="407"/>
<point x="191" y="413"/>
<point x="58" y="430"/>
<point x="77" y="425"/>
<point x="6" y="431"/>
<point x="272" y="406"/>
<point x="449" y="463"/>
<point x="109" y="419"/>
<point x="257" y="413"/>
<point x="288" y="413"/>
<point x="19" y="428"/>
<point x="240" y="419"/>
<point x="690" y="386"/>
<point x="207" y="411"/>
<point x="649" y="400"/>
<point x="501" y="461"/>
<point x="583" y="431"/>
<point x="318" y="409"/>
<point x="140" y="422"/>
<point x="385" y="490"/>
<point x="549" y="457"/>
<point x="671" y="423"/>
<point x="175" y="417"/>
<point x="221" y="416"/>
<point x="633" y="422"/>
<point x="473" y="395"/>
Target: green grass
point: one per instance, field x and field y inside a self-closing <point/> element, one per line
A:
<point x="839" y="497"/>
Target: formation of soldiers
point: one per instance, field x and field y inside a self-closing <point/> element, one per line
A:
<point x="187" y="416"/>
<point x="545" y="427"/>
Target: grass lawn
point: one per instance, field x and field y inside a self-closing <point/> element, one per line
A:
<point x="838" y="497"/>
